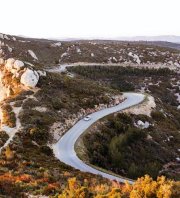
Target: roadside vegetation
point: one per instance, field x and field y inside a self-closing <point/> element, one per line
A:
<point x="119" y="146"/>
<point x="116" y="144"/>
<point x="122" y="78"/>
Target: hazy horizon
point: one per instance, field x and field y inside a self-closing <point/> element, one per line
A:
<point x="136" y="37"/>
<point x="123" y="38"/>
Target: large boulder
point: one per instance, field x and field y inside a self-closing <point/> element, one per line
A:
<point x="41" y="73"/>
<point x="18" y="65"/>
<point x="1" y="61"/>
<point x="30" y="78"/>
<point x="9" y="64"/>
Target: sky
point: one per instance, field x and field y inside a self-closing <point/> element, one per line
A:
<point x="89" y="18"/>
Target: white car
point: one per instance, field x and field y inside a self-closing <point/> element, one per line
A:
<point x="87" y="118"/>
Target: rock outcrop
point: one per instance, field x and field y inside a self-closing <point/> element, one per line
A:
<point x="19" y="72"/>
<point x="30" y="78"/>
<point x="18" y="65"/>
<point x="15" y="77"/>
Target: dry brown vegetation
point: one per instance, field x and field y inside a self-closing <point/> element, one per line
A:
<point x="143" y="187"/>
<point x="9" y="118"/>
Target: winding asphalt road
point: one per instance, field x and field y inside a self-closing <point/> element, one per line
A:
<point x="64" y="148"/>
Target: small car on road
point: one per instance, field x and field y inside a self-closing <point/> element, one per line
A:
<point x="87" y="118"/>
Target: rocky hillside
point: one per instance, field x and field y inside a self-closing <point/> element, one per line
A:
<point x="38" y="106"/>
<point x="15" y="78"/>
<point x="36" y="109"/>
<point x="47" y="53"/>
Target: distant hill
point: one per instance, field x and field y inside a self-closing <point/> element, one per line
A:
<point x="166" y="38"/>
<point x="163" y="44"/>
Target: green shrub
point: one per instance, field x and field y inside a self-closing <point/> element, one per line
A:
<point x="46" y="150"/>
<point x="157" y="115"/>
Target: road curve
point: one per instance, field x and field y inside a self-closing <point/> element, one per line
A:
<point x="64" y="148"/>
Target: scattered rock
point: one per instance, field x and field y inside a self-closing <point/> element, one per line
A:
<point x="135" y="57"/>
<point x="178" y="159"/>
<point x="92" y="54"/>
<point x="33" y="55"/>
<point x="18" y="64"/>
<point x="142" y="125"/>
<point x="149" y="137"/>
<point x="58" y="44"/>
<point x="41" y="73"/>
<point x="10" y="64"/>
<point x="30" y="78"/>
<point x="1" y="61"/>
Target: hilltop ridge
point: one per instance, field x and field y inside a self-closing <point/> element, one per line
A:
<point x="47" y="53"/>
